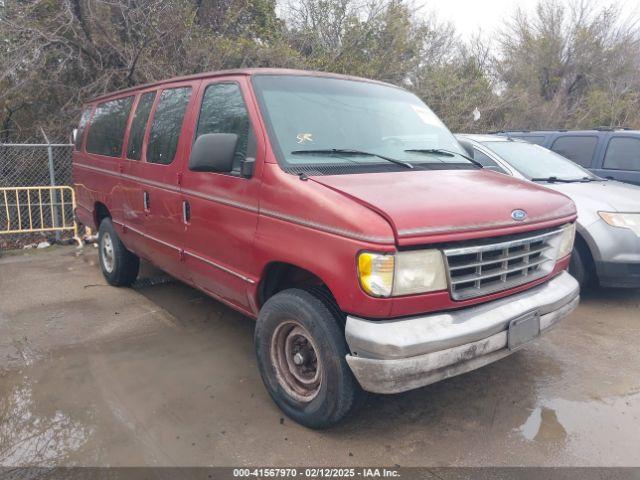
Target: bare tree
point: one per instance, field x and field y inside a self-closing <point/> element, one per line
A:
<point x="560" y="64"/>
<point x="574" y="65"/>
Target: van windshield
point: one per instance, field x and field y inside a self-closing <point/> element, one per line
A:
<point x="324" y="124"/>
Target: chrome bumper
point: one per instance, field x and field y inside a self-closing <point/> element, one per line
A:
<point x="392" y="356"/>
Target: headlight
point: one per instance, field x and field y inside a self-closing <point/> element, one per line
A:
<point x="403" y="273"/>
<point x="622" y="220"/>
<point x="566" y="240"/>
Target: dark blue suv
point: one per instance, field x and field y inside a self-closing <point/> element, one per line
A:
<point x="609" y="153"/>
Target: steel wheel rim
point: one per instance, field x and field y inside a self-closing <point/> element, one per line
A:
<point x="294" y="357"/>
<point x="108" y="257"/>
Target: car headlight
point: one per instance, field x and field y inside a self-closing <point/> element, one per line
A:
<point x="622" y="220"/>
<point x="566" y="240"/>
<point x="402" y="273"/>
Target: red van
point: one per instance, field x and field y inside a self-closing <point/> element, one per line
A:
<point x="338" y="212"/>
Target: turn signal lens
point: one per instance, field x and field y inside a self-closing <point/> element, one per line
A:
<point x="376" y="273"/>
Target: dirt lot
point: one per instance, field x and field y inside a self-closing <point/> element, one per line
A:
<point x="162" y="375"/>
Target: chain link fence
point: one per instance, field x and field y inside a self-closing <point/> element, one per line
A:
<point x="32" y="165"/>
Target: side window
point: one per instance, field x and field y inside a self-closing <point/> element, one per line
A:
<point x="139" y="125"/>
<point x="578" y="149"/>
<point x="223" y="111"/>
<point x="623" y="153"/>
<point x="167" y="125"/>
<point x="106" y="133"/>
<point x="84" y="119"/>
<point x="487" y="162"/>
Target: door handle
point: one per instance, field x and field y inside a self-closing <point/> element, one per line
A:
<point x="145" y="200"/>
<point x="186" y="211"/>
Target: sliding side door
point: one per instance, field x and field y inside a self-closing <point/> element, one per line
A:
<point x="168" y="139"/>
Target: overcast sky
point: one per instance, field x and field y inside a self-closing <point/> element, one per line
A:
<point x="471" y="15"/>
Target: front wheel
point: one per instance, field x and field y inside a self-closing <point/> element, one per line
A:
<point x="579" y="267"/>
<point x="301" y="350"/>
<point x="119" y="266"/>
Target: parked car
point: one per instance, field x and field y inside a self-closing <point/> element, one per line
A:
<point x="607" y="247"/>
<point x="337" y="211"/>
<point x="613" y="154"/>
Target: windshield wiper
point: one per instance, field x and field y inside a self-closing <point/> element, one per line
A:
<point x="563" y="180"/>
<point x="446" y="153"/>
<point x="592" y="179"/>
<point x="350" y="151"/>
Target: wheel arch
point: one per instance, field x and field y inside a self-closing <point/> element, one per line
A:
<point x="586" y="243"/>
<point x="100" y="212"/>
<point x="280" y="275"/>
<point x="583" y="246"/>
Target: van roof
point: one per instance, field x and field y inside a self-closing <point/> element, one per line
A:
<point x="240" y="71"/>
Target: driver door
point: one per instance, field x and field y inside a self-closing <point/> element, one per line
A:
<point x="221" y="209"/>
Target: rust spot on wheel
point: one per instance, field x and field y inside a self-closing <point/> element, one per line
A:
<point x="294" y="357"/>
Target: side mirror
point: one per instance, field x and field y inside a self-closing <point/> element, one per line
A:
<point x="213" y="152"/>
<point x="74" y="135"/>
<point x="246" y="169"/>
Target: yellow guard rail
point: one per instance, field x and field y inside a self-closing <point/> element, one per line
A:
<point x="38" y="209"/>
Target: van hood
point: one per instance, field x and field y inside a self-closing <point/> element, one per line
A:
<point x="605" y="196"/>
<point x="433" y="203"/>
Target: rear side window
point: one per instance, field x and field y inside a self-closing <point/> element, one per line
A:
<point x="84" y="119"/>
<point x="623" y="153"/>
<point x="487" y="162"/>
<point x="578" y="149"/>
<point x="167" y="125"/>
<point x="106" y="133"/>
<point x="139" y="125"/>
<point x="223" y="111"/>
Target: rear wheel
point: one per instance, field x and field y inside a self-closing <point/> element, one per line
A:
<point x="119" y="266"/>
<point x="301" y="352"/>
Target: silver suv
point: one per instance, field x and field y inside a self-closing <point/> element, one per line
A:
<point x="607" y="247"/>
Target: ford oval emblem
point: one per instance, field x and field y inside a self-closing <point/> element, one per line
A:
<point x="518" y="215"/>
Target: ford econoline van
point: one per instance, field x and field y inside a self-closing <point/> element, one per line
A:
<point x="338" y="212"/>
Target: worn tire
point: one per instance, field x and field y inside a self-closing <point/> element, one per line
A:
<point x="121" y="268"/>
<point x="338" y="392"/>
<point x="580" y="268"/>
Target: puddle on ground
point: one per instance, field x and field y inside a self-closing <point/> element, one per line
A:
<point x="29" y="437"/>
<point x="543" y="425"/>
<point x="583" y="425"/>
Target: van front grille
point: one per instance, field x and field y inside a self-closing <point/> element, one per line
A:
<point x="486" y="268"/>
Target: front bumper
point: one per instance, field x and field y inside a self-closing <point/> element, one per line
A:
<point x="392" y="356"/>
<point x="618" y="275"/>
